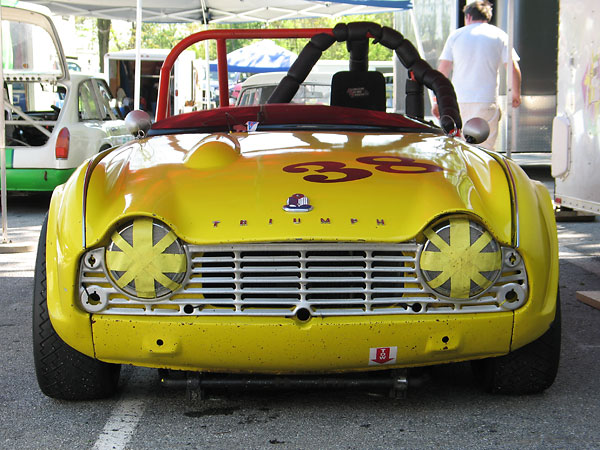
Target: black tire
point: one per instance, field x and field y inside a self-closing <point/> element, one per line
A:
<point x="63" y="372"/>
<point x="528" y="370"/>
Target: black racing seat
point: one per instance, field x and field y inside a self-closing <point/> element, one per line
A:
<point x="358" y="89"/>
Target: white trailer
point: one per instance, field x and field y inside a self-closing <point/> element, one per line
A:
<point x="576" y="127"/>
<point x="120" y="70"/>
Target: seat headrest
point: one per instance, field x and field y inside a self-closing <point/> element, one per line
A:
<point x="364" y="90"/>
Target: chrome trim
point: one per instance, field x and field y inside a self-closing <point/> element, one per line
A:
<point x="514" y="192"/>
<point x="280" y="279"/>
<point x="93" y="162"/>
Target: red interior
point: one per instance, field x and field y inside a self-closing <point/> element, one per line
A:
<point x="285" y="114"/>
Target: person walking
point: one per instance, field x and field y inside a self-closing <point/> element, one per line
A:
<point x="473" y="55"/>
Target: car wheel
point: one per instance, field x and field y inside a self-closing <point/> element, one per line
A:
<point x="63" y="372"/>
<point x="528" y="370"/>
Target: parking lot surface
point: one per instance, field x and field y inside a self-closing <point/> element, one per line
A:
<point x="447" y="410"/>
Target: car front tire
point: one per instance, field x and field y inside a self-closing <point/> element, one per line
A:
<point x="530" y="369"/>
<point x="63" y="372"/>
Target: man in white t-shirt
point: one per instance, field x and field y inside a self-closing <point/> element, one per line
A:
<point x="474" y="54"/>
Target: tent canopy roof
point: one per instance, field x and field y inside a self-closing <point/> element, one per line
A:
<point x="215" y="11"/>
<point x="261" y="56"/>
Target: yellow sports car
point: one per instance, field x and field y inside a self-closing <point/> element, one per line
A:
<point x="299" y="241"/>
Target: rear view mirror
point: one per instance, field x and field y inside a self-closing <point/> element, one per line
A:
<point x="138" y="123"/>
<point x="476" y="130"/>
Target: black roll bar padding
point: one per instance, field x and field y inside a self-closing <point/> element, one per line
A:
<point x="440" y="85"/>
<point x="308" y="57"/>
<point x="359" y="55"/>
<point x="390" y="38"/>
<point x="415" y="105"/>
<point x="407" y="54"/>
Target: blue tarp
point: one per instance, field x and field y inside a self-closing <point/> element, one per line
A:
<point x="262" y="56"/>
<point x="392" y="4"/>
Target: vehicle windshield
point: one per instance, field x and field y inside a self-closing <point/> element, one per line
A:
<point x="308" y="94"/>
<point x="28" y="48"/>
<point x="288" y="117"/>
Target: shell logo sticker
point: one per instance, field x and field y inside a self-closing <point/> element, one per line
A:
<point x="382" y="355"/>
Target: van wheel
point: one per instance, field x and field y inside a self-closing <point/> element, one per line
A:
<point x="528" y="370"/>
<point x="63" y="372"/>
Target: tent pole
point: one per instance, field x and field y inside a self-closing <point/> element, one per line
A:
<point x="3" y="142"/>
<point x="397" y="68"/>
<point x="138" y="57"/>
<point x="207" y="98"/>
<point x="208" y="94"/>
<point x="419" y="42"/>
<point x="510" y="113"/>
<point x="222" y="71"/>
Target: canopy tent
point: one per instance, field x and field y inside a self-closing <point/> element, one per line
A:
<point x="219" y="11"/>
<point x="262" y="56"/>
<point x="214" y="11"/>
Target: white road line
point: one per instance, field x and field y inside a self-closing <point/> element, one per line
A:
<point x="121" y="425"/>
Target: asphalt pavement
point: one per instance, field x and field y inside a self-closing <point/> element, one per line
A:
<point x="447" y="411"/>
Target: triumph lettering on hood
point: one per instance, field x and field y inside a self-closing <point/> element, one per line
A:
<point x="298" y="221"/>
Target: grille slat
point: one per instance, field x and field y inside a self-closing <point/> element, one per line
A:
<point x="277" y="279"/>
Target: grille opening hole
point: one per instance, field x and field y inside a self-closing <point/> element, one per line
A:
<point x="336" y="296"/>
<point x="378" y="306"/>
<point x="270" y="254"/>
<point x="336" y="253"/>
<point x="219" y="296"/>
<point x="336" y="285"/>
<point x="93" y="298"/>
<point x="387" y="263"/>
<point x="445" y="339"/>
<point x="332" y="265"/>
<point x="188" y="309"/>
<point x="333" y="274"/>
<point x="268" y="297"/>
<point x="269" y="275"/>
<point x="511" y="296"/>
<point x="248" y="265"/>
<point x="159" y="342"/>
<point x="303" y="314"/>
<point x="416" y="307"/>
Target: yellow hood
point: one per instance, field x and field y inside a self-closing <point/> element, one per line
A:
<point x="233" y="188"/>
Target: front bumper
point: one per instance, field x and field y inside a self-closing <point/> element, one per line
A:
<point x="276" y="345"/>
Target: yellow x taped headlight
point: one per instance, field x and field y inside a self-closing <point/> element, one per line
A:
<point x="460" y="258"/>
<point x="145" y="259"/>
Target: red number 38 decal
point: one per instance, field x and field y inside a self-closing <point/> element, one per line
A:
<point x="337" y="172"/>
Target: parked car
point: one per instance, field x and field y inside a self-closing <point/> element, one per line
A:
<point x="54" y="119"/>
<point x="257" y="89"/>
<point x="284" y="241"/>
<point x="73" y="65"/>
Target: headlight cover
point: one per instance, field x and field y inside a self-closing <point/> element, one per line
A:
<point x="145" y="259"/>
<point x="460" y="259"/>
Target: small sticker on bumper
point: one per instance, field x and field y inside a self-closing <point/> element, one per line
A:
<point x="382" y="355"/>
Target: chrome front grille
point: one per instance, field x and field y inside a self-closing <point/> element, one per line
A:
<point x="345" y="278"/>
<point x="279" y="279"/>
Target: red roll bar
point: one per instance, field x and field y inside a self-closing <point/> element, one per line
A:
<point x="221" y="37"/>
